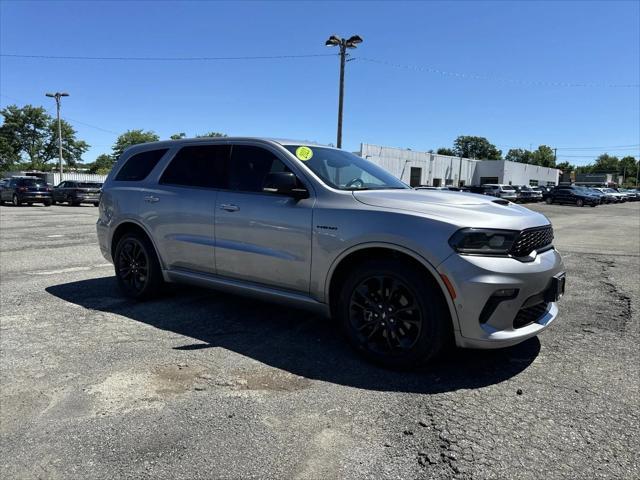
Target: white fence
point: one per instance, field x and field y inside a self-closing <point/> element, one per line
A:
<point x="54" y="177"/>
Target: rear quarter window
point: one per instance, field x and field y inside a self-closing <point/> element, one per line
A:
<point x="140" y="165"/>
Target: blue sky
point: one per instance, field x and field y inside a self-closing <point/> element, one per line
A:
<point x="537" y="44"/>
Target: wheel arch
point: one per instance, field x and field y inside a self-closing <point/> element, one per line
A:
<point x="129" y="226"/>
<point x="360" y="253"/>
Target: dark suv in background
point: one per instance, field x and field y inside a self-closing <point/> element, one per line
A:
<point x="571" y="194"/>
<point x="29" y="190"/>
<point x="75" y="193"/>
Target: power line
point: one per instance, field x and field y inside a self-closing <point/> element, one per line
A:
<point x="474" y="76"/>
<point x="167" y="59"/>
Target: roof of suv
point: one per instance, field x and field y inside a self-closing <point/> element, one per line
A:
<point x="191" y="141"/>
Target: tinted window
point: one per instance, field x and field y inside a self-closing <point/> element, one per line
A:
<point x="250" y="166"/>
<point x="140" y="165"/>
<point x="29" y="182"/>
<point x="198" y="166"/>
<point x="89" y="185"/>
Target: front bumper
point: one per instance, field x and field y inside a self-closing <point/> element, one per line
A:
<point x="477" y="278"/>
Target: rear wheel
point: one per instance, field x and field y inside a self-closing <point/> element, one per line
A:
<point x="95" y="204"/>
<point x="392" y="314"/>
<point x="549" y="200"/>
<point x="48" y="203"/>
<point x="580" y="202"/>
<point x="137" y="267"/>
<point x="15" y="201"/>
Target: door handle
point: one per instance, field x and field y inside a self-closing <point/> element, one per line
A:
<point x="151" y="199"/>
<point x="229" y="207"/>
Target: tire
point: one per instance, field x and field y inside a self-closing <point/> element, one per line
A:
<point x="364" y="314"/>
<point x="549" y="200"/>
<point x="48" y="203"/>
<point x="53" y="201"/>
<point x="15" y="201"/>
<point x="579" y="203"/>
<point x="137" y="267"/>
<point x="593" y="205"/>
<point x="96" y="204"/>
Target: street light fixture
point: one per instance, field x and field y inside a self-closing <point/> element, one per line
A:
<point x="351" y="42"/>
<point x="58" y="96"/>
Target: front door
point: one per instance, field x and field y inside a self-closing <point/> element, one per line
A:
<point x="179" y="210"/>
<point x="262" y="237"/>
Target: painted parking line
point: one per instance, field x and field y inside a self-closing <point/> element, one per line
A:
<point x="70" y="269"/>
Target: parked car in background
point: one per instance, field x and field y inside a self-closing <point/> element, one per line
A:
<point x="537" y="193"/>
<point x="29" y="190"/>
<point x="524" y="194"/>
<point x="619" y="196"/>
<point x="604" y="196"/>
<point x="480" y="189"/>
<point x="403" y="272"/>
<point x="631" y="195"/>
<point x="75" y="192"/>
<point x="507" y="192"/>
<point x="571" y="194"/>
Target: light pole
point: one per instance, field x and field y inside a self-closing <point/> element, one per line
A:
<point x="58" y="96"/>
<point x="351" y="42"/>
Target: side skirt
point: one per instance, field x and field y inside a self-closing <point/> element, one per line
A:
<point x="253" y="290"/>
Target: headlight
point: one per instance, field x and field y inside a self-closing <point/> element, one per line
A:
<point x="483" y="241"/>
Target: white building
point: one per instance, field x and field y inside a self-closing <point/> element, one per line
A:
<point x="424" y="168"/>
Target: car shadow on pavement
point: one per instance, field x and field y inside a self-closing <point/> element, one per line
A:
<point x="292" y="340"/>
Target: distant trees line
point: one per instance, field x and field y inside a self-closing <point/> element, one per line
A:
<point x="29" y="140"/>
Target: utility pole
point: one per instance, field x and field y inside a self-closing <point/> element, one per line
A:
<point x="637" y="170"/>
<point x="555" y="156"/>
<point x="351" y="42"/>
<point x="58" y="96"/>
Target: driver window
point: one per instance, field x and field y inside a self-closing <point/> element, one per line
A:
<point x="250" y="166"/>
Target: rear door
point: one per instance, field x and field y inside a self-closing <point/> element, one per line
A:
<point x="179" y="209"/>
<point x="262" y="237"/>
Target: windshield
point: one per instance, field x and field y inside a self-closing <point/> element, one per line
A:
<point x="344" y="170"/>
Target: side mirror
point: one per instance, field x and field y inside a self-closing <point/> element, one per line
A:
<point x="284" y="183"/>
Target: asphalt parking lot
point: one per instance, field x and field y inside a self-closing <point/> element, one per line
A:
<point x="207" y="385"/>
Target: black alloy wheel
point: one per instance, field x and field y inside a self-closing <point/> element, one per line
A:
<point x="384" y="313"/>
<point x="393" y="313"/>
<point x="580" y="202"/>
<point x="133" y="265"/>
<point x="137" y="267"/>
<point x="15" y="201"/>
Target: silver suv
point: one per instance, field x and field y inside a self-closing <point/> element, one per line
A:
<point x="404" y="272"/>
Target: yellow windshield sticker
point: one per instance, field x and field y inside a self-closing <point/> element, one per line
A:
<point x="304" y="153"/>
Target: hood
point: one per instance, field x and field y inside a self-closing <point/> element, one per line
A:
<point x="457" y="208"/>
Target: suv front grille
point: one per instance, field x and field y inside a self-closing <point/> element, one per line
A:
<point x="529" y="315"/>
<point x="532" y="239"/>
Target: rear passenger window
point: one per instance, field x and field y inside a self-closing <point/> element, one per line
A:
<point x="140" y="165"/>
<point x="198" y="166"/>
<point x="250" y="166"/>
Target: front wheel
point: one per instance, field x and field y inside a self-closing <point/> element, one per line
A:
<point x="96" y="204"/>
<point x="580" y="202"/>
<point x="549" y="200"/>
<point x="392" y="314"/>
<point x="48" y="203"/>
<point x="15" y="201"/>
<point x="137" y="267"/>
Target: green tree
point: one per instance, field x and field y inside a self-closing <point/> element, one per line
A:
<point x="519" y="155"/>
<point x="543" y="156"/>
<point x="446" y="151"/>
<point x="628" y="167"/>
<point x="565" y="167"/>
<point x="178" y="136"/>
<point x="606" y="163"/>
<point x="211" y="134"/>
<point x="29" y="136"/>
<point x="476" y="147"/>
<point x="132" y="137"/>
<point x="102" y="165"/>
